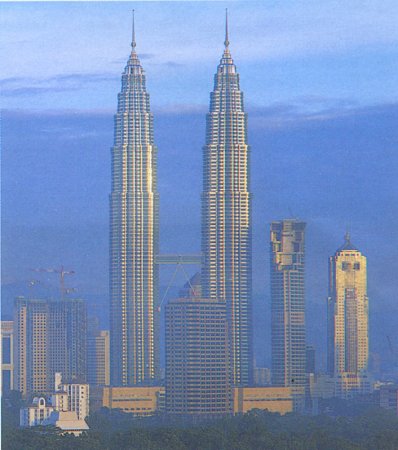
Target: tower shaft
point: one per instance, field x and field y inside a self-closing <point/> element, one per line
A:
<point x="134" y="231"/>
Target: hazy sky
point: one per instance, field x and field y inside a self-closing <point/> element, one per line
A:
<point x="320" y="82"/>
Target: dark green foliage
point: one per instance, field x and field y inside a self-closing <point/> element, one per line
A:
<point x="376" y="429"/>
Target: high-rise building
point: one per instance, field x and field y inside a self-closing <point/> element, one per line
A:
<point x="288" y="341"/>
<point x="67" y="337"/>
<point x="134" y="230"/>
<point x="7" y="357"/>
<point x="226" y="213"/>
<point x="50" y="337"/>
<point x="198" y="377"/>
<point x="348" y="344"/>
<point x="98" y="368"/>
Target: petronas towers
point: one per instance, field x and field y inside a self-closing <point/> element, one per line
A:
<point x="226" y="212"/>
<point x="134" y="233"/>
<point x="134" y="225"/>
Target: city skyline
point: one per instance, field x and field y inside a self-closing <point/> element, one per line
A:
<point x="322" y="224"/>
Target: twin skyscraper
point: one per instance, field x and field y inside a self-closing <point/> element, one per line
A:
<point x="134" y="225"/>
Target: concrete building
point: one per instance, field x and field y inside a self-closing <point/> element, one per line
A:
<point x="35" y="414"/>
<point x="198" y="377"/>
<point x="226" y="214"/>
<point x="288" y="341"/>
<point x="98" y="358"/>
<point x="347" y="308"/>
<point x="136" y="400"/>
<point x="67" y="422"/>
<point x="50" y="337"/>
<point x="67" y="339"/>
<point x="7" y="356"/>
<point x="273" y="399"/>
<point x="31" y="361"/>
<point x="134" y="234"/>
<point x="78" y="398"/>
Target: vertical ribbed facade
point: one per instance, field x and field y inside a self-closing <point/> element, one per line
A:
<point x="226" y="214"/>
<point x="288" y="341"/>
<point x="348" y="339"/>
<point x="134" y="230"/>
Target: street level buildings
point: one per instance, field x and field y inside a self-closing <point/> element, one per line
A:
<point x="347" y="315"/>
<point x="226" y="214"/>
<point x="134" y="229"/>
<point x="288" y="340"/>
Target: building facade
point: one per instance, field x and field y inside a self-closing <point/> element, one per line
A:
<point x="7" y="356"/>
<point x="67" y="337"/>
<point x="288" y="340"/>
<point x="226" y="214"/>
<point x="98" y="358"/>
<point x="198" y="378"/>
<point x="273" y="399"/>
<point x="347" y="312"/>
<point x="50" y="337"/>
<point x="137" y="400"/>
<point x="134" y="230"/>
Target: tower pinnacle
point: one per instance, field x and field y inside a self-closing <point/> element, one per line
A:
<point x="133" y="43"/>
<point x="226" y="42"/>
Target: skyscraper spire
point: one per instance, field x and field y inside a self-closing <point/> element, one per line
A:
<point x="134" y="231"/>
<point x="226" y="213"/>
<point x="133" y="43"/>
<point x="226" y="42"/>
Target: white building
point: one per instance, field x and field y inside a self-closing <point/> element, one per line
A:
<point x="78" y="398"/>
<point x="67" y="421"/>
<point x="35" y="414"/>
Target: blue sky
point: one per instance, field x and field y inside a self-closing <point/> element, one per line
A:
<point x="320" y="82"/>
<point x="70" y="55"/>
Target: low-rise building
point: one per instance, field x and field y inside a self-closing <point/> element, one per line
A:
<point x="36" y="413"/>
<point x="67" y="421"/>
<point x="137" y="400"/>
<point x="273" y="399"/>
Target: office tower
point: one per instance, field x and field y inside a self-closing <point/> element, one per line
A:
<point x="50" y="337"/>
<point x="7" y="359"/>
<point x="226" y="213"/>
<point x="68" y="339"/>
<point x="134" y="230"/>
<point x="288" y="303"/>
<point x="197" y="358"/>
<point x="348" y="346"/>
<point x="98" y="368"/>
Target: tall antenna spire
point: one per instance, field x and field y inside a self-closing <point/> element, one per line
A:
<point x="226" y="42"/>
<point x="133" y="44"/>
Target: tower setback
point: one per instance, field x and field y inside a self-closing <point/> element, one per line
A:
<point x="134" y="231"/>
<point x="226" y="213"/>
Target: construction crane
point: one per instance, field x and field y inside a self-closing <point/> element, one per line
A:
<point x="62" y="272"/>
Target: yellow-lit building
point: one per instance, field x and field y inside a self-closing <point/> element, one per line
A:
<point x="273" y="399"/>
<point x="348" y="342"/>
<point x="140" y="401"/>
